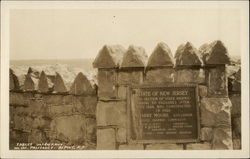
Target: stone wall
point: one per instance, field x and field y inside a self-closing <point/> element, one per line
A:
<point x="43" y="110"/>
<point x="205" y="67"/>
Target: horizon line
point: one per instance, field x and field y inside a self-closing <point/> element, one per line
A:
<point x="52" y="59"/>
<point x="239" y="56"/>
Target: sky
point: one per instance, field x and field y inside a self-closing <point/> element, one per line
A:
<point x="81" y="33"/>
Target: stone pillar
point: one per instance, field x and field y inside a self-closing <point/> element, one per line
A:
<point x="111" y="111"/>
<point x="188" y="70"/>
<point x="160" y="66"/>
<point x="131" y="71"/>
<point x="216" y="106"/>
<point x="188" y="65"/>
<point x="108" y="61"/>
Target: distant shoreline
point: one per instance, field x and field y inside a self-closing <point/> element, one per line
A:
<point x="80" y="63"/>
<point x="50" y="59"/>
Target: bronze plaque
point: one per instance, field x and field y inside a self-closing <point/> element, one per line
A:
<point x="164" y="114"/>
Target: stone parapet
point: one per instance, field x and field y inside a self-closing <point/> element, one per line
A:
<point x="44" y="110"/>
<point x="204" y="68"/>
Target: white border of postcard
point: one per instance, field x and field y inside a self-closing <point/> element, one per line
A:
<point x="243" y="6"/>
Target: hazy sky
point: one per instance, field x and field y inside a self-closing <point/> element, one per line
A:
<point x="52" y="34"/>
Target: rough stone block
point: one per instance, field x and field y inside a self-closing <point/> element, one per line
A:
<point x="60" y="110"/>
<point x="130" y="77"/>
<point x="161" y="56"/>
<point x="202" y="91"/>
<point x="199" y="146"/>
<point x="190" y="76"/>
<point x="236" y="105"/>
<point x="69" y="99"/>
<point x="64" y="103"/>
<point x="106" y="83"/>
<point x="27" y="124"/>
<point x="22" y="123"/>
<point x="160" y="76"/>
<point x="19" y="136"/>
<point x="207" y="117"/>
<point x="27" y="96"/>
<point x="36" y="136"/>
<point x="16" y="99"/>
<point x="90" y="103"/>
<point x="131" y="147"/>
<point x="90" y="131"/>
<point x="206" y="134"/>
<point x="222" y="139"/>
<point x="111" y="113"/>
<point x="40" y="123"/>
<point x="237" y="144"/>
<point x="164" y="147"/>
<point x="22" y="111"/>
<point x="223" y="119"/>
<point x="12" y="113"/>
<point x="121" y="135"/>
<point x="236" y="127"/>
<point x="216" y="112"/>
<point x="106" y="139"/>
<point x="122" y="92"/>
<point x="37" y="108"/>
<point x="53" y="99"/>
<point x="78" y="105"/>
<point x="18" y="122"/>
<point x="217" y="82"/>
<point x="236" y="86"/>
<point x="71" y="129"/>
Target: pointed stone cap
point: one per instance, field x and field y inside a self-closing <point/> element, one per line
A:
<point x="21" y="79"/>
<point x="43" y="85"/>
<point x="33" y="72"/>
<point x="14" y="82"/>
<point x="59" y="86"/>
<point x="161" y="56"/>
<point x="30" y="83"/>
<point x="81" y="85"/>
<point x="187" y="55"/>
<point x="109" y="56"/>
<point x="214" y="53"/>
<point x="134" y="57"/>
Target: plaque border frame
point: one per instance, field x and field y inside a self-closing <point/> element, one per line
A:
<point x="157" y="141"/>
